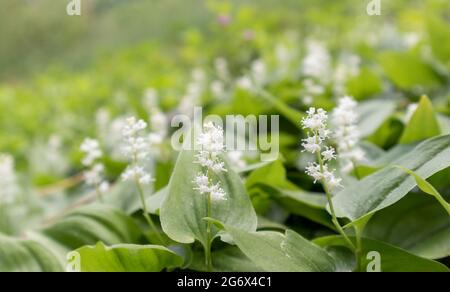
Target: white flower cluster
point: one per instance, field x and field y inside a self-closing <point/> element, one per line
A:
<point x="347" y="67"/>
<point x="311" y="88"/>
<point x="193" y="93"/>
<point x="316" y="125"/>
<point x="158" y="127"/>
<point x="236" y="158"/>
<point x="256" y="78"/>
<point x="211" y="143"/>
<point x="136" y="148"/>
<point x="8" y="180"/>
<point x="94" y="175"/>
<point x="258" y="72"/>
<point x="218" y="86"/>
<point x="316" y="63"/>
<point x="346" y="133"/>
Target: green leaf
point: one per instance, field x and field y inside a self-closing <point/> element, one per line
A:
<point x="184" y="208"/>
<point x="271" y="180"/>
<point x="372" y="114"/>
<point x="273" y="174"/>
<point x="422" y="125"/>
<point x="367" y="83"/>
<point x="439" y="34"/>
<point x="229" y="259"/>
<point x="393" y="259"/>
<point x="86" y="226"/>
<point x="127" y="258"/>
<point x="26" y="256"/>
<point x="417" y="223"/>
<point x="277" y="252"/>
<point x="407" y="71"/>
<point x="388" y="185"/>
<point x="426" y="187"/>
<point x="306" y="204"/>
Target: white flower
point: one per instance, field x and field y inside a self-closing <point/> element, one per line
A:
<point x="202" y="182"/>
<point x="136" y="148"/>
<point x="93" y="176"/>
<point x="158" y="127"/>
<point x="211" y="139"/>
<point x="313" y="170"/>
<point x="135" y="145"/>
<point x="346" y="133"/>
<point x="312" y="144"/>
<point x="244" y="82"/>
<point x="150" y="99"/>
<point x="312" y="88"/>
<point x="217" y="193"/>
<point x="103" y="187"/>
<point x="236" y="158"/>
<point x="331" y="180"/>
<point x="221" y="66"/>
<point x="316" y="124"/>
<point x="328" y="154"/>
<point x="317" y="61"/>
<point x="193" y="93"/>
<point x="259" y="72"/>
<point x="137" y="174"/>
<point x="211" y="143"/>
<point x="91" y="149"/>
<point x="316" y="119"/>
<point x="8" y="181"/>
<point x="348" y="66"/>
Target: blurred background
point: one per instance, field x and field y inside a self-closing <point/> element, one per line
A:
<point x="63" y="78"/>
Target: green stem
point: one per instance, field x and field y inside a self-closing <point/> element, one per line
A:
<point x="359" y="250"/>
<point x="330" y="203"/>
<point x="146" y="216"/>
<point x="208" y="258"/>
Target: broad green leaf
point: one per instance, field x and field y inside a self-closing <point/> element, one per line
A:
<point x="417" y="223"/>
<point x="427" y="188"/>
<point x="272" y="182"/>
<point x="372" y="114"/>
<point x="439" y="34"/>
<point x="407" y="71"/>
<point x="229" y="259"/>
<point x="26" y="256"/>
<point x="366" y="84"/>
<point x="388" y="185"/>
<point x="87" y="226"/>
<point x="154" y="201"/>
<point x="273" y="174"/>
<point x="277" y="252"/>
<point x="306" y="204"/>
<point x="444" y="124"/>
<point x="422" y="125"/>
<point x="183" y="209"/>
<point x="393" y="259"/>
<point x="127" y="258"/>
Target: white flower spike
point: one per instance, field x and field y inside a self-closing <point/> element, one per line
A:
<point x="346" y="134"/>
<point x="94" y="175"/>
<point x="316" y="125"/>
<point x="212" y="146"/>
